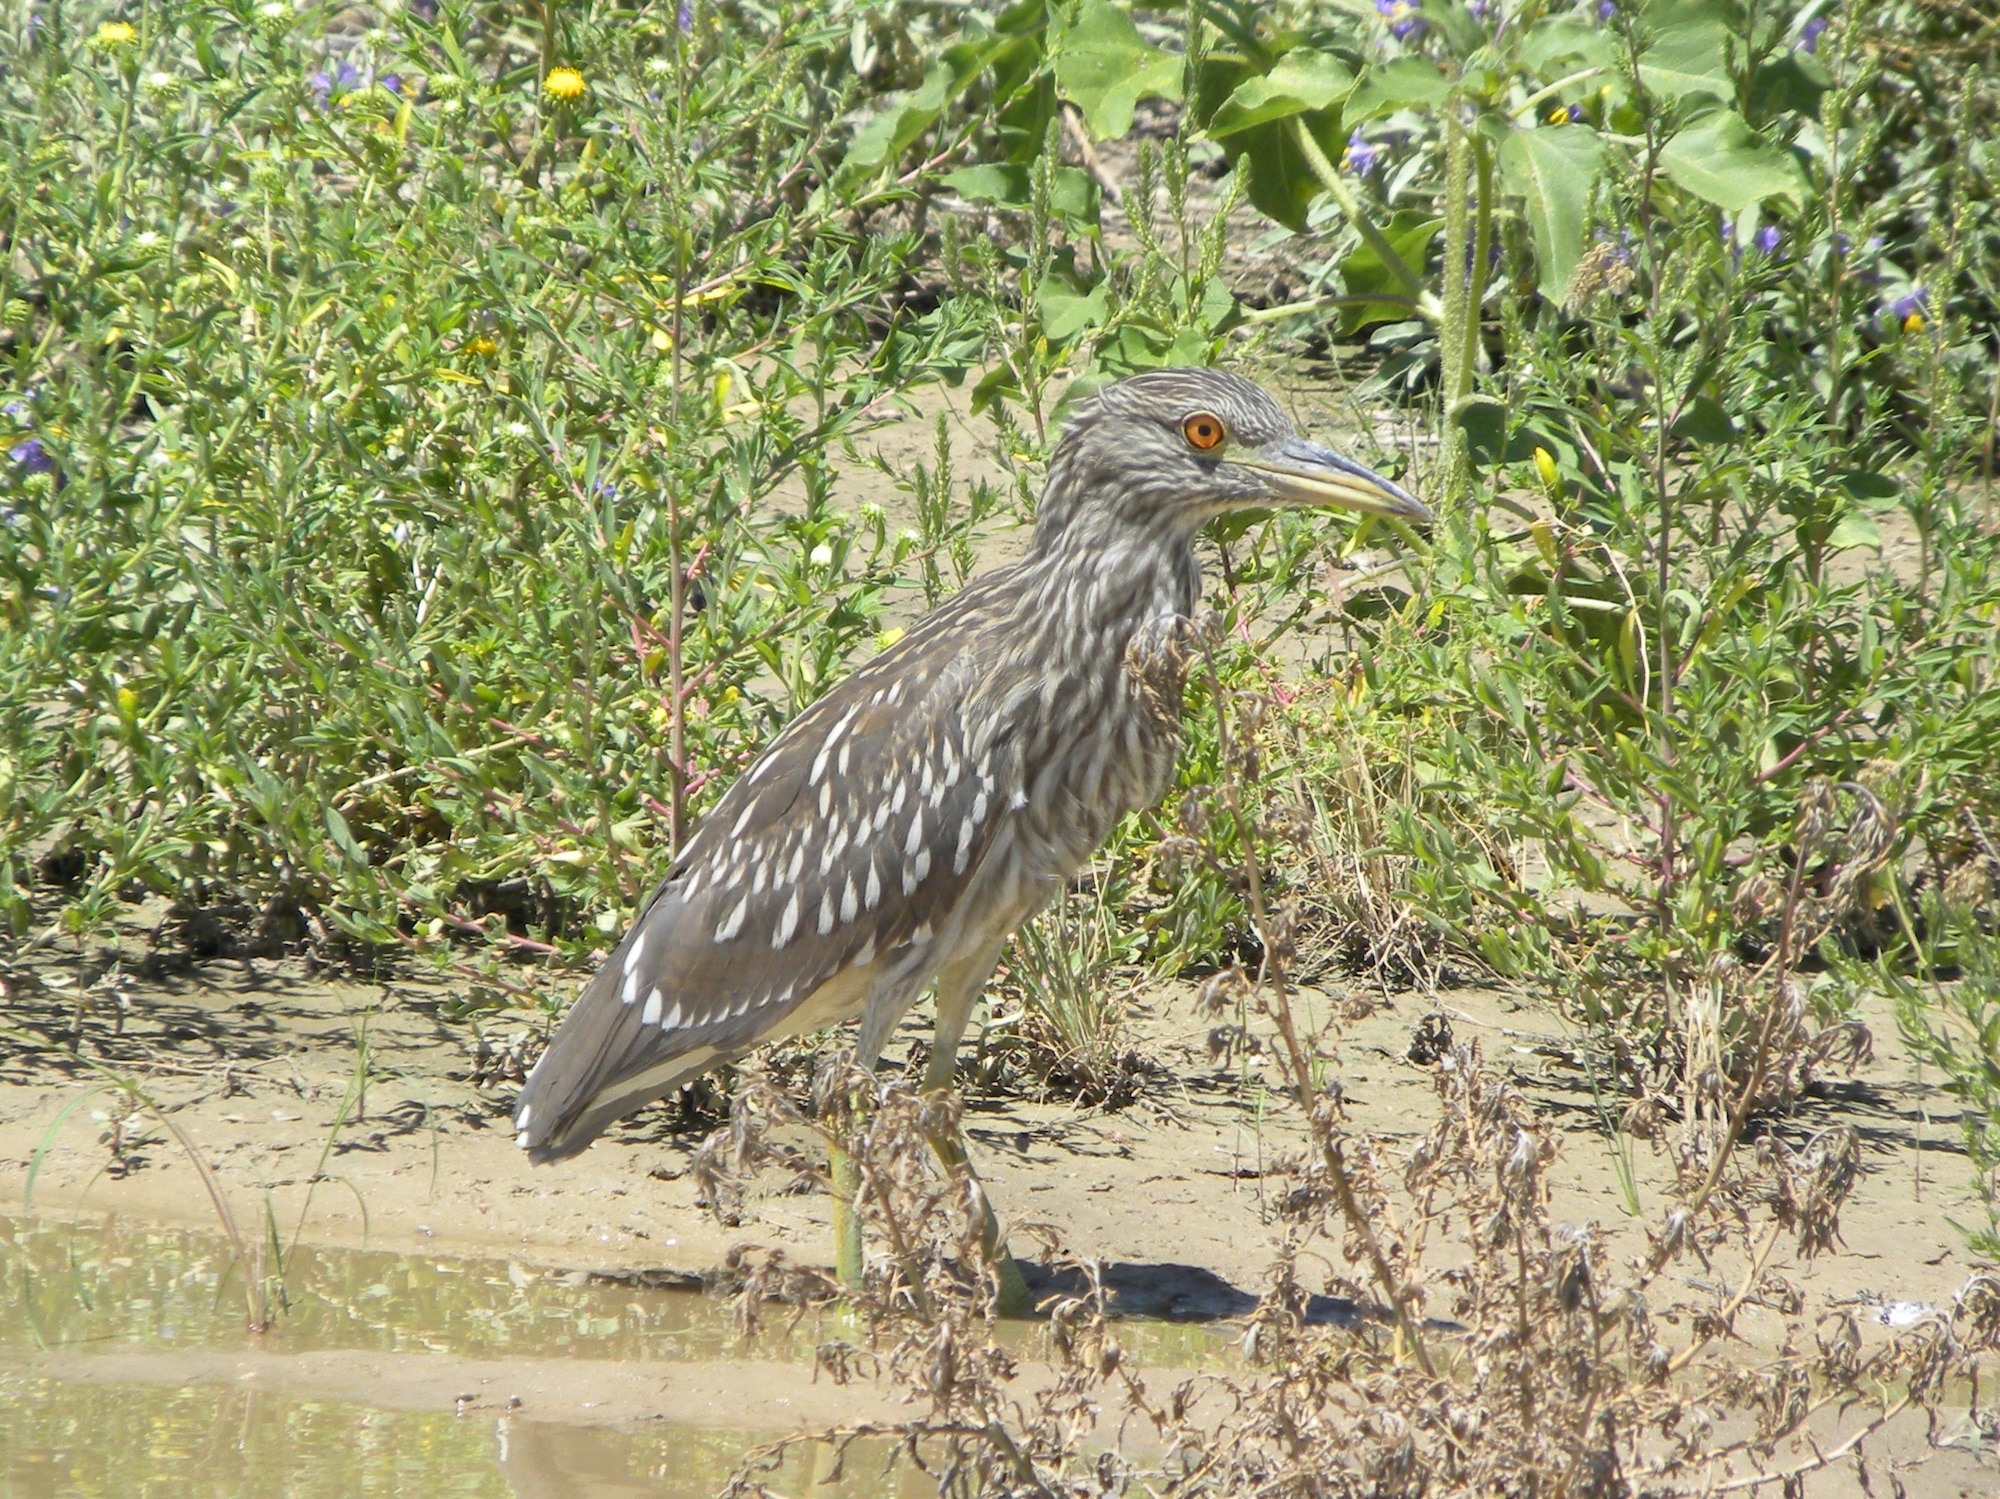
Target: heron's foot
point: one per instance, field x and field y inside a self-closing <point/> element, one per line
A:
<point x="1014" y="1298"/>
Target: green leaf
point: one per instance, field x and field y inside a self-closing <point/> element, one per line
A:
<point x="1408" y="82"/>
<point x="1553" y="170"/>
<point x="1066" y="312"/>
<point x="343" y="837"/>
<point x="884" y="139"/>
<point x="1721" y="160"/>
<point x="1283" y="183"/>
<point x="1303" y="81"/>
<point x="1072" y="191"/>
<point x="1483" y="420"/>
<point x="1877" y="491"/>
<point x="1560" y="46"/>
<point x="1705" y="423"/>
<point x="1105" y="69"/>
<point x="1688" y="51"/>
<point x="1855" y="529"/>
<point x="1789" y="84"/>
<point x="1409" y="233"/>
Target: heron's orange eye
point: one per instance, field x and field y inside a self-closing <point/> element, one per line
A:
<point x="1203" y="431"/>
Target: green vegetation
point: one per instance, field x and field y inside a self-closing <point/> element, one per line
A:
<point x="420" y="447"/>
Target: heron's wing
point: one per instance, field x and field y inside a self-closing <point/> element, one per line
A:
<point x="845" y="846"/>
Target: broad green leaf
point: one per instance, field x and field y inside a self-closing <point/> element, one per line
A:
<point x="885" y="138"/>
<point x="1072" y="192"/>
<point x="1877" y="491"/>
<point x="1689" y="50"/>
<point x="1553" y="170"/>
<point x="1105" y="69"/>
<point x="1365" y="274"/>
<point x="1789" y="84"/>
<point x="1854" y="529"/>
<point x="1405" y="83"/>
<point x="1721" y="160"/>
<point x="1570" y="42"/>
<point x="1283" y="183"/>
<point x="1066" y="312"/>
<point x="1302" y="81"/>
<point x="1705" y="423"/>
<point x="1483" y="420"/>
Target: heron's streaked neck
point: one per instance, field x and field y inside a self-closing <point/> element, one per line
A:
<point x="1101" y="569"/>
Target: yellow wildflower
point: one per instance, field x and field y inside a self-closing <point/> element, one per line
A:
<point x="482" y="346"/>
<point x="565" y="84"/>
<point x="1914" y="323"/>
<point x="115" y="34"/>
<point x="1545" y="465"/>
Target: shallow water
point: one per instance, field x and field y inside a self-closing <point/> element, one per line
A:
<point x="126" y="1368"/>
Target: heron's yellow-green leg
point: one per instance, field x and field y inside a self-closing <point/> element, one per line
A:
<point x="954" y="1009"/>
<point x="846" y="1219"/>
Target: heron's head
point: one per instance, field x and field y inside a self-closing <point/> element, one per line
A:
<point x="1167" y="450"/>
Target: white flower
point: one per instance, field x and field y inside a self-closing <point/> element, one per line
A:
<point x="147" y="237"/>
<point x="517" y="429"/>
<point x="822" y="556"/>
<point x="274" y="10"/>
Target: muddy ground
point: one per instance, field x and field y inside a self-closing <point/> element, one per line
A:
<point x="255" y="1062"/>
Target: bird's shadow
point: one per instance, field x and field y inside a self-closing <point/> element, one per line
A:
<point x="1172" y="1293"/>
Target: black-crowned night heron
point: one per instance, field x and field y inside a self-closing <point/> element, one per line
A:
<point x="912" y="818"/>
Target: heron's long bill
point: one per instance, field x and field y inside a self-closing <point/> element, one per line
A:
<point x="1304" y="473"/>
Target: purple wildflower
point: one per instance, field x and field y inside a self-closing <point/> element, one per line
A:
<point x="1810" y="34"/>
<point x="1575" y="113"/>
<point x="393" y="82"/>
<point x="1404" y="22"/>
<point x="1360" y="156"/>
<point x="31" y="456"/>
<point x="1768" y="239"/>
<point x="1911" y="310"/>
<point x="15" y="410"/>
<point x="686" y="17"/>
<point x="1479" y="10"/>
<point x="1606" y="9"/>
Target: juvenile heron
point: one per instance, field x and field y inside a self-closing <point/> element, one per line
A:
<point x="897" y="831"/>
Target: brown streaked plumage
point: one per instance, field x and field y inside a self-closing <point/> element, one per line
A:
<point x="905" y="824"/>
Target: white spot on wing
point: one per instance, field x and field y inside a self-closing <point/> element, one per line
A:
<point x="672" y="1019"/>
<point x="826" y="798"/>
<point x="633" y="953"/>
<point x="521" y="1119"/>
<point x="631" y="987"/>
<point x="743" y="820"/>
<point x="733" y="922"/>
<point x="826" y="912"/>
<point x="916" y="835"/>
<point x="522" y="1139"/>
<point x="923" y="863"/>
<point x="873" y="895"/>
<point x="900" y="795"/>
<point x="867" y="954"/>
<point x="979" y="807"/>
<point x="850" y="903"/>
<point x="921" y="935"/>
<point x="651" y="1016"/>
<point x="788" y="923"/>
<point x="964" y="846"/>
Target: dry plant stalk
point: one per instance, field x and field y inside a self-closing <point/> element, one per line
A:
<point x="1505" y="1352"/>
